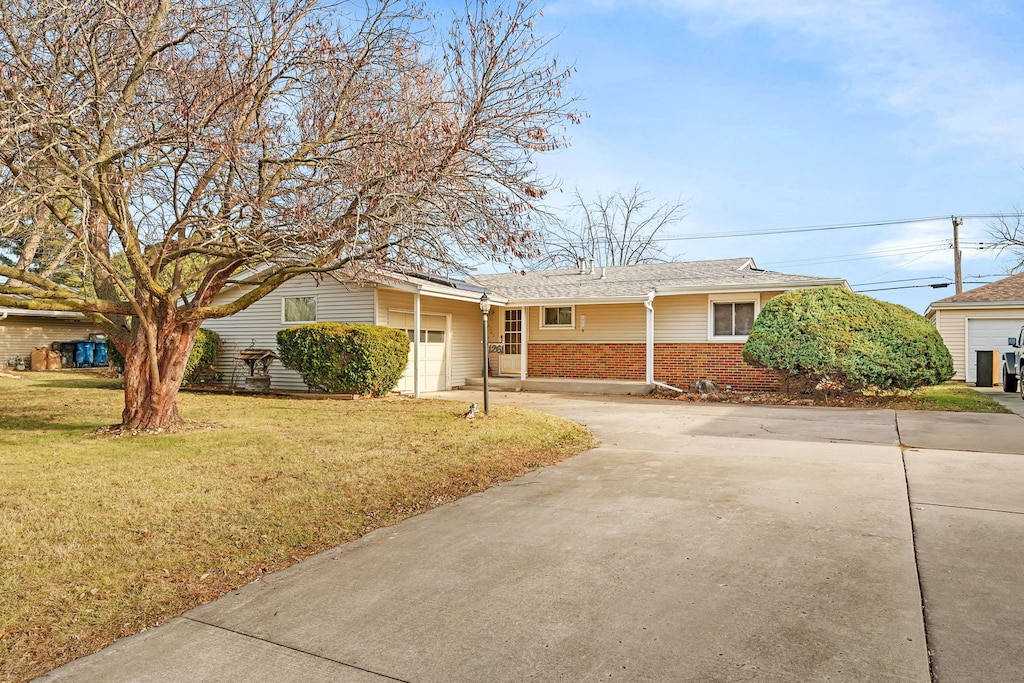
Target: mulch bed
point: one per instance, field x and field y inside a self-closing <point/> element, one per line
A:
<point x="778" y="398"/>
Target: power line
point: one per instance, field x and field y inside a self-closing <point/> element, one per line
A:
<point x="936" y="285"/>
<point x="806" y="228"/>
<point x="907" y="279"/>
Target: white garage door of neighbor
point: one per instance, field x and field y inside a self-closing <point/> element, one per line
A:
<point x="433" y="351"/>
<point x="988" y="334"/>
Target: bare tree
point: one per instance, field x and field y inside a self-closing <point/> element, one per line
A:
<point x="153" y="151"/>
<point x="615" y="230"/>
<point x="1008" y="233"/>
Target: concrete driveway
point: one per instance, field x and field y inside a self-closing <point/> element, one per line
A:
<point x="697" y="543"/>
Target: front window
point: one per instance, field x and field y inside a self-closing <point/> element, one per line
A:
<point x="299" y="309"/>
<point x="734" y="318"/>
<point x="556" y="316"/>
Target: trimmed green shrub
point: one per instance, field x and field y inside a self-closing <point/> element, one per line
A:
<point x="847" y="340"/>
<point x="201" y="363"/>
<point x="345" y="358"/>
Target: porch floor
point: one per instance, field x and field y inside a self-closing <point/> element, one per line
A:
<point x="563" y="385"/>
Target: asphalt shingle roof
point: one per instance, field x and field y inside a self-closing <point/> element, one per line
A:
<point x="1008" y="289"/>
<point x="638" y="281"/>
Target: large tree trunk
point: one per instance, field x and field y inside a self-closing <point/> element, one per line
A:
<point x="154" y="364"/>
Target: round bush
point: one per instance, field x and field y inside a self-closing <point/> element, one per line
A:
<point x="345" y="358"/>
<point x="855" y="341"/>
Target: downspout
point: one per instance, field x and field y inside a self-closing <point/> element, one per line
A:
<point x="3" y="316"/>
<point x="649" y="305"/>
<point x="416" y="345"/>
<point x="524" y="337"/>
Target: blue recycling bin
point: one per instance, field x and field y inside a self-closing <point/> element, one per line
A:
<point x="85" y="353"/>
<point x="100" y="357"/>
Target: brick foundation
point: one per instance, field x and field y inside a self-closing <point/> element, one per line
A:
<point x="675" y="364"/>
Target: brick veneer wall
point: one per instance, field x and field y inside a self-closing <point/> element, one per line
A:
<point x="675" y="364"/>
<point x="587" y="361"/>
<point x="681" y="364"/>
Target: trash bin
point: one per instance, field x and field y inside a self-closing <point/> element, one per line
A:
<point x="100" y="357"/>
<point x="85" y="351"/>
<point x="67" y="354"/>
<point x="983" y="376"/>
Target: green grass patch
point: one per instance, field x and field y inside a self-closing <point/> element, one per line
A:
<point x="102" y="536"/>
<point x="953" y="397"/>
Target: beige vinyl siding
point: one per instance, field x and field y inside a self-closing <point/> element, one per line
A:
<point x="606" y="323"/>
<point x="952" y="326"/>
<point x="258" y="325"/>
<point x="20" y="334"/>
<point x="466" y="329"/>
<point x="681" y="319"/>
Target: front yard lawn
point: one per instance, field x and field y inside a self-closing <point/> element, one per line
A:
<point x="103" y="536"/>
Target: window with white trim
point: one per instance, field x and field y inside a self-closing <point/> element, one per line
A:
<point x="557" y="316"/>
<point x="298" y="309"/>
<point x="731" y="318"/>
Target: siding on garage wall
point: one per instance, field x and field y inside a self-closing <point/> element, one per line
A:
<point x="20" y="334"/>
<point x="261" y="321"/>
<point x="466" y="330"/>
<point x="952" y="326"/>
<point x="606" y="323"/>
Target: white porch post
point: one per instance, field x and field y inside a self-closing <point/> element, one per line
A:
<point x="523" y="335"/>
<point x="416" y="345"/>
<point x="649" y="305"/>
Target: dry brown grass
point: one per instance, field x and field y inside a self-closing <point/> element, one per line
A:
<point x="103" y="536"/>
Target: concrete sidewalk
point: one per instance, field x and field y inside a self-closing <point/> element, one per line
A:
<point x="697" y="543"/>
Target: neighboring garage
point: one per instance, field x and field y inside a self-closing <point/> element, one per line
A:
<point x="435" y="366"/>
<point x="986" y="335"/>
<point x="980" y="319"/>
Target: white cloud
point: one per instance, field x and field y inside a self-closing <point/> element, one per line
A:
<point x="916" y="58"/>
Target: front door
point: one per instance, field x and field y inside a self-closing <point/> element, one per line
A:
<point x="510" y="362"/>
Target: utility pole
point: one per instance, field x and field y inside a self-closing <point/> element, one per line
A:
<point x="957" y="222"/>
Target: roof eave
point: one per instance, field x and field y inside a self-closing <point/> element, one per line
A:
<point x="975" y="304"/>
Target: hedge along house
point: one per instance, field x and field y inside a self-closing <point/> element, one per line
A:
<point x="442" y="318"/>
<point x="666" y="323"/>
<point x="980" y="319"/>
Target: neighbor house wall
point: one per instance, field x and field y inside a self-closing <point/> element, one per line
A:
<point x="466" y="328"/>
<point x="258" y="324"/>
<point x="20" y="334"/>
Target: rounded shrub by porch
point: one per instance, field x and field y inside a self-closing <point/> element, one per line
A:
<point x="344" y="358"/>
<point x="850" y="341"/>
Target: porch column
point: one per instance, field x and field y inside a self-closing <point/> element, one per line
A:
<point x="523" y="335"/>
<point x="416" y="345"/>
<point x="649" y="305"/>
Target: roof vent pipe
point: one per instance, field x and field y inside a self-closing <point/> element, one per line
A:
<point x="603" y="272"/>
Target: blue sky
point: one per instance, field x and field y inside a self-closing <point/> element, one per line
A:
<point x="786" y="113"/>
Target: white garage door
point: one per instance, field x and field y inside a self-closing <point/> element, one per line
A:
<point x="433" y="351"/>
<point x="988" y="334"/>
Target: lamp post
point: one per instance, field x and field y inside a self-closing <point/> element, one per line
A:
<point x="485" y="308"/>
